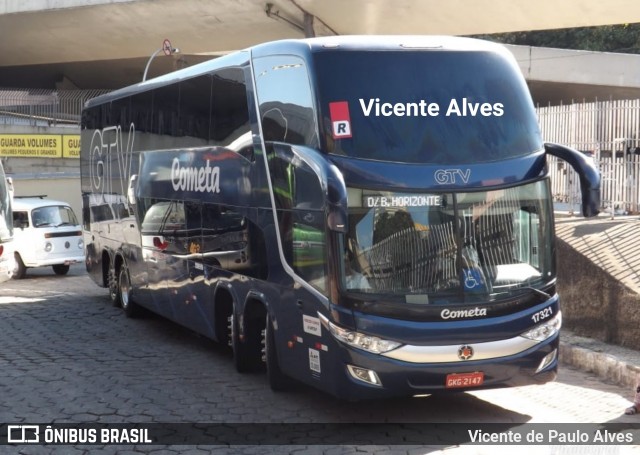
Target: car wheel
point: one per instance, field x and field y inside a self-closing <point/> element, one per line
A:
<point x="60" y="269"/>
<point x="20" y="269"/>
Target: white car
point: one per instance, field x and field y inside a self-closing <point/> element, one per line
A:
<point x="7" y="262"/>
<point x="45" y="233"/>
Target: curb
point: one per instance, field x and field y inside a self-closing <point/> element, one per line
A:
<point x="612" y="363"/>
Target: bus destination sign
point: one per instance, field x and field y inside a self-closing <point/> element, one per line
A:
<point x="401" y="200"/>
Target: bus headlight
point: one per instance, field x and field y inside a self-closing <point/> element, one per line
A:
<point x="48" y="247"/>
<point x="364" y="375"/>
<point x="545" y="330"/>
<point x="362" y="341"/>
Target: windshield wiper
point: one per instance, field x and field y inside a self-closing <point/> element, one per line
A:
<point x="537" y="291"/>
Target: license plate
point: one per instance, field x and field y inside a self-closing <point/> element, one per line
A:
<point x="455" y="380"/>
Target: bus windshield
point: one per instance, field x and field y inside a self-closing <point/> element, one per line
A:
<point x="427" y="246"/>
<point x="433" y="106"/>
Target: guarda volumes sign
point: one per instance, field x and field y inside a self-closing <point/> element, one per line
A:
<point x="40" y="145"/>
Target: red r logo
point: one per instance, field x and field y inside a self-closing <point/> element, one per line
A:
<point x="340" y="119"/>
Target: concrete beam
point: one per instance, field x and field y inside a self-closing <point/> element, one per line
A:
<point x="464" y="17"/>
<point x="55" y="31"/>
<point x="578" y="67"/>
<point x="24" y="6"/>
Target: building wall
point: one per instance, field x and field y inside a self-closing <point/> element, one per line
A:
<point x="58" y="178"/>
<point x="61" y="189"/>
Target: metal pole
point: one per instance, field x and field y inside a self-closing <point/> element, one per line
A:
<point x="144" y="76"/>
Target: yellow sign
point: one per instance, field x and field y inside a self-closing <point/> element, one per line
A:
<point x="40" y="145"/>
<point x="71" y="146"/>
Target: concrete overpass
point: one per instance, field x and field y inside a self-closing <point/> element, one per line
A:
<point x="560" y="75"/>
<point x="107" y="43"/>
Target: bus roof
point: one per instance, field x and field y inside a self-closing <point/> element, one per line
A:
<point x="408" y="43"/>
<point x="380" y="43"/>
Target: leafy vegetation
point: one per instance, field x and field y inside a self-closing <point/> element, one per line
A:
<point x="623" y="38"/>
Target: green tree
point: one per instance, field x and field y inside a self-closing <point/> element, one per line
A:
<point x="623" y="38"/>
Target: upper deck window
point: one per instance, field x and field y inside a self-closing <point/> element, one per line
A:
<point x="435" y="107"/>
<point x="286" y="102"/>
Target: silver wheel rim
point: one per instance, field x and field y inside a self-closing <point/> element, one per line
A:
<point x="113" y="285"/>
<point x="124" y="289"/>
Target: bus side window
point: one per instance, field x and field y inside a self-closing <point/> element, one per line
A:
<point x="287" y="115"/>
<point x="225" y="238"/>
<point x="274" y="126"/>
<point x="282" y="181"/>
<point x="300" y="208"/>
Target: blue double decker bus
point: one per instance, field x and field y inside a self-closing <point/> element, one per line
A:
<point x="368" y="215"/>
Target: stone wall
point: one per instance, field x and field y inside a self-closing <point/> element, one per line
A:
<point x="595" y="303"/>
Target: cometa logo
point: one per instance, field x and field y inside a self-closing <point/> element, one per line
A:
<point x="199" y="179"/>
<point x="457" y="314"/>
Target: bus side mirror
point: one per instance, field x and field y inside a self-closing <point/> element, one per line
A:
<point x="333" y="183"/>
<point x="336" y="201"/>
<point x="587" y="172"/>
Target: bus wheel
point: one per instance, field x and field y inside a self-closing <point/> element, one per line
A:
<point x="130" y="308"/>
<point x="20" y="269"/>
<point x="246" y="352"/>
<point x="278" y="381"/>
<point x="60" y="269"/>
<point x="113" y="288"/>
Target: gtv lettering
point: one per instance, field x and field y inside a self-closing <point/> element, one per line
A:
<point x="452" y="176"/>
<point x="110" y="156"/>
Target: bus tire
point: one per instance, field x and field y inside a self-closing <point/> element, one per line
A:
<point x="247" y="353"/>
<point x="278" y="381"/>
<point x="112" y="282"/>
<point x="60" y="269"/>
<point x="130" y="308"/>
<point x="20" y="269"/>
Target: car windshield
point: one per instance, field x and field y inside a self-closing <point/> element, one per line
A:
<point x="428" y="246"/>
<point x="427" y="106"/>
<point x="54" y="215"/>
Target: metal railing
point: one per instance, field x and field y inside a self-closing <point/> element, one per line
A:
<point x="608" y="132"/>
<point x="41" y="107"/>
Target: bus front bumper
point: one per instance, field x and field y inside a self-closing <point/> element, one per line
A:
<point x="368" y="375"/>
